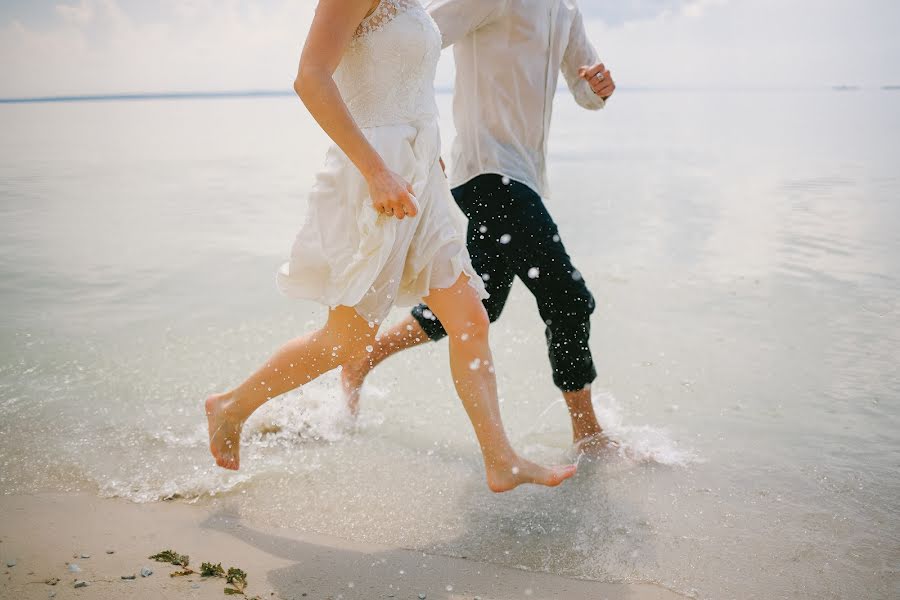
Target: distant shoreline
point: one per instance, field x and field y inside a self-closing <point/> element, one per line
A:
<point x="236" y="94"/>
<point x="147" y="96"/>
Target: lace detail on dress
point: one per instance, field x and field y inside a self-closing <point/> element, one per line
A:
<point x="386" y="75"/>
<point x="383" y="14"/>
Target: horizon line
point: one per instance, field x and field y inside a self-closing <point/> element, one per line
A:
<point x="275" y="93"/>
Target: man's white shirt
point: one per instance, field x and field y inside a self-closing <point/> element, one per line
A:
<point x="509" y="54"/>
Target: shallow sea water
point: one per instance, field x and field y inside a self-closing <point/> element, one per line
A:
<point x="744" y="248"/>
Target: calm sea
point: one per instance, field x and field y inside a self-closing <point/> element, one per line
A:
<point x="744" y="248"/>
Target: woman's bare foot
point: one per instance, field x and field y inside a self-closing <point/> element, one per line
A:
<point x="503" y="478"/>
<point x="224" y="431"/>
<point x="353" y="374"/>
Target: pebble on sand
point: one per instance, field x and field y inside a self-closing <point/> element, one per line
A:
<point x="146" y="572"/>
<point x="73" y="568"/>
<point x="110" y="551"/>
<point x="129" y="576"/>
<point x="11" y="563"/>
<point x="81" y="583"/>
<point x="85" y="556"/>
<point x="421" y="596"/>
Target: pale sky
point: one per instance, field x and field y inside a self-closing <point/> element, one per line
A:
<point x="106" y="46"/>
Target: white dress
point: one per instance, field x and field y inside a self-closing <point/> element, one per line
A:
<point x="346" y="253"/>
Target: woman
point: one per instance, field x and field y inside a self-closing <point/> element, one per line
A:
<point x="381" y="227"/>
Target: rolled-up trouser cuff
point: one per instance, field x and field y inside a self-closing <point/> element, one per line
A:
<point x="568" y="382"/>
<point x="429" y="323"/>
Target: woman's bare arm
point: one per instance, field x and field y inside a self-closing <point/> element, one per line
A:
<point x="332" y="30"/>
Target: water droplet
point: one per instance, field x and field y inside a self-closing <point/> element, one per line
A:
<point x="555" y="238"/>
<point x="475" y="364"/>
<point x="428" y="314"/>
<point x="483" y="229"/>
<point x="370" y="349"/>
<point x="515" y="470"/>
<point x="505" y="238"/>
<point x="534" y="273"/>
<point x="505" y="180"/>
<point x="464" y="337"/>
<point x="485" y="276"/>
<point x="576" y="275"/>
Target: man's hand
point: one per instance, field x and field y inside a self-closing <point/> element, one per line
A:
<point x="600" y="79"/>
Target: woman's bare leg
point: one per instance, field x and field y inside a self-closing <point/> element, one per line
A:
<point x="298" y="362"/>
<point x="466" y="321"/>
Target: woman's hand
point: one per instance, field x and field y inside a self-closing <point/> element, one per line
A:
<point x="391" y="195"/>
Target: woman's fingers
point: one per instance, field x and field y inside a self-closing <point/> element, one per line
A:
<point x="396" y="199"/>
<point x="410" y="206"/>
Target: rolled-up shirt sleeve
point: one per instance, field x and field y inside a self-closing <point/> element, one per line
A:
<point x="580" y="53"/>
<point x="458" y="18"/>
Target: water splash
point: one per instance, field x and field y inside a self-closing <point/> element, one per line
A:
<point x="635" y="444"/>
<point x="640" y="443"/>
<point x="285" y="436"/>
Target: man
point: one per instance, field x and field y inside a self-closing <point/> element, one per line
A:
<point x="508" y="57"/>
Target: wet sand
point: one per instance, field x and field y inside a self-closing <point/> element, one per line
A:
<point x="44" y="533"/>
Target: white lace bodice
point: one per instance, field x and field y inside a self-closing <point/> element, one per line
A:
<point x="386" y="76"/>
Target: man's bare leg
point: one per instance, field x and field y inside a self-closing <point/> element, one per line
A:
<point x="587" y="435"/>
<point x="404" y="335"/>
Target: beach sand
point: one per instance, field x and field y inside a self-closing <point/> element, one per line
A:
<point x="44" y="533"/>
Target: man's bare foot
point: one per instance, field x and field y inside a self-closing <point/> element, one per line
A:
<point x="520" y="471"/>
<point x="224" y="432"/>
<point x="594" y="445"/>
<point x="353" y="374"/>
